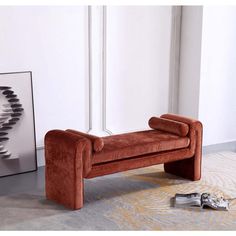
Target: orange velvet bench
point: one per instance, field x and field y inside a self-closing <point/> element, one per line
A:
<point x="72" y="156"/>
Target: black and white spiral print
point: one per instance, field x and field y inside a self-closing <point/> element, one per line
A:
<point x="10" y="113"/>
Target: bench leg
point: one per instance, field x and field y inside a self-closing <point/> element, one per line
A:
<point x="67" y="193"/>
<point x="188" y="168"/>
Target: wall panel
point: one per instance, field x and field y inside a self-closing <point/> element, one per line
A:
<point x="217" y="107"/>
<point x="137" y="65"/>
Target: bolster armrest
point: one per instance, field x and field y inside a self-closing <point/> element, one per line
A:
<point x="97" y="142"/>
<point x="195" y="130"/>
<point x="171" y="126"/>
<point x="183" y="119"/>
<point x="195" y="148"/>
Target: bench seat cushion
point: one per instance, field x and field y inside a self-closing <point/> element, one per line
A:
<point x="127" y="145"/>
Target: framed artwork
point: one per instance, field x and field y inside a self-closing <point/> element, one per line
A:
<point x="17" y="127"/>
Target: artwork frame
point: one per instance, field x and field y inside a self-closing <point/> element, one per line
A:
<point x="21" y="112"/>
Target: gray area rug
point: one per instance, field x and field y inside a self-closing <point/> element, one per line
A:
<point x="132" y="200"/>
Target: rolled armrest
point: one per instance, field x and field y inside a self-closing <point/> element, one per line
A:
<point x="68" y="161"/>
<point x="97" y="142"/>
<point x="62" y="146"/>
<point x="195" y="130"/>
<point x="171" y="126"/>
<point x="190" y="168"/>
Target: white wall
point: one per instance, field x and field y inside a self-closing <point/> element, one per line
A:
<point x="190" y="61"/>
<point x="217" y="109"/>
<point x="52" y="43"/>
<point x="127" y="64"/>
<point x="208" y="72"/>
<point x="130" y="66"/>
<point x="137" y="65"/>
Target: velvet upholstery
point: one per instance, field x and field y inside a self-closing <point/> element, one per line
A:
<point x="171" y="126"/>
<point x="66" y="156"/>
<point x="190" y="168"/>
<point x="97" y="142"/>
<point x="72" y="156"/>
<point x="138" y="162"/>
<point x="133" y="144"/>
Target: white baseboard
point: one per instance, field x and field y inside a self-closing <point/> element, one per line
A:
<point x="219" y="147"/>
<point x="40" y="156"/>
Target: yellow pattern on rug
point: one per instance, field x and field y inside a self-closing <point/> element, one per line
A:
<point x="151" y="208"/>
